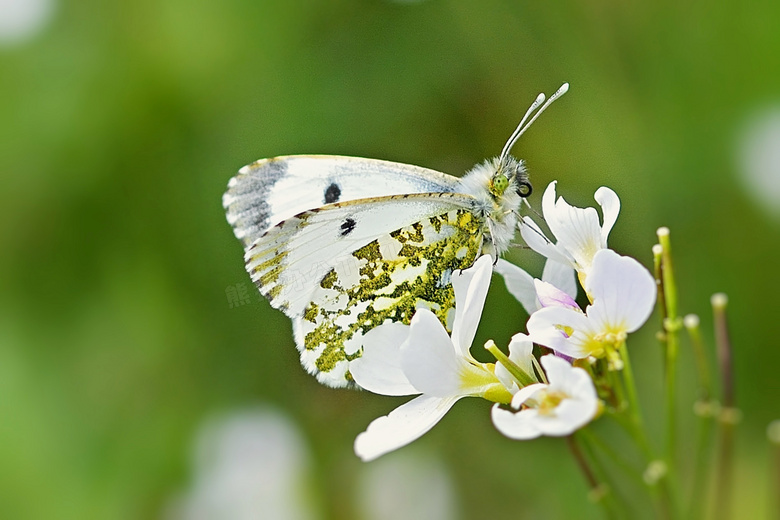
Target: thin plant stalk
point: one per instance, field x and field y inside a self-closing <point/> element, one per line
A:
<point x="633" y="473"/>
<point x="729" y="414"/>
<point x="600" y="491"/>
<point x="671" y="326"/>
<point x="667" y="496"/>
<point x="704" y="409"/>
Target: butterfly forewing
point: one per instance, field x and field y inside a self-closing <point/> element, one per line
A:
<point x="271" y="190"/>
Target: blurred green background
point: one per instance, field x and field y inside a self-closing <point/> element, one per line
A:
<point x="121" y="123"/>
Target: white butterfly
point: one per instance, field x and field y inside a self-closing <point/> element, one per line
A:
<point x="343" y="244"/>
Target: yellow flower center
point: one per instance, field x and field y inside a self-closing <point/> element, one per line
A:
<point x="549" y="401"/>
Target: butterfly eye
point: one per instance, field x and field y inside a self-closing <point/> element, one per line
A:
<point x="524" y="188"/>
<point x="499" y="184"/>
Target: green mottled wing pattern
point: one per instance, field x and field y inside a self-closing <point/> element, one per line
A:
<point x="343" y="269"/>
<point x="388" y="280"/>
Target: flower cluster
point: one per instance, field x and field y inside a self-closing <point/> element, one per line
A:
<point x="551" y="392"/>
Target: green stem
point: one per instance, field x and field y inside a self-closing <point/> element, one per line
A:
<point x="729" y="414"/>
<point x="600" y="492"/>
<point x="672" y="350"/>
<point x="701" y="464"/>
<point x="671" y="326"/>
<point x="633" y="473"/>
<point x="658" y="275"/>
<point x="667" y="482"/>
<point x="630" y="387"/>
<point x="667" y="273"/>
<point x="691" y="323"/>
<point x="704" y="409"/>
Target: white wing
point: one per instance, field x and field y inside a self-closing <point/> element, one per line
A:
<point x="343" y="269"/>
<point x="270" y="190"/>
<point x="291" y="259"/>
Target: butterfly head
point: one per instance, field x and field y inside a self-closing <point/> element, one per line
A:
<point x="509" y="173"/>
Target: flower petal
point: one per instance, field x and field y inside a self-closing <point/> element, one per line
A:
<point x="578" y="231"/>
<point x="535" y="239"/>
<point x="569" y="416"/>
<point x="379" y="369"/>
<point x="551" y="296"/>
<point x="610" y="207"/>
<point x="521" y="352"/>
<point x="403" y="425"/>
<point x="544" y="327"/>
<point x="428" y="358"/>
<point x="580" y="405"/>
<point x="471" y="286"/>
<point x="623" y="292"/>
<point x="515" y="425"/>
<point x="557" y="370"/>
<point x="519" y="283"/>
<point x="561" y="276"/>
<point x="526" y="393"/>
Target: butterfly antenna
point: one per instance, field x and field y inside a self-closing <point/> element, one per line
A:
<point x="512" y="138"/>
<point x="531" y="208"/>
<point x="523" y="126"/>
<point x="535" y="230"/>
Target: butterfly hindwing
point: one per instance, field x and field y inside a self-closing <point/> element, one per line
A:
<point x="271" y="190"/>
<point x="341" y="270"/>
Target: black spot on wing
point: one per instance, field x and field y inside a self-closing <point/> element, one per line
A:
<point x="332" y="193"/>
<point x="347" y="226"/>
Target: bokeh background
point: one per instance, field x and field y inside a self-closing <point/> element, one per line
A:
<point x="121" y="123"/>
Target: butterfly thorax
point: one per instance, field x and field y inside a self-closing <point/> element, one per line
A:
<point x="496" y="185"/>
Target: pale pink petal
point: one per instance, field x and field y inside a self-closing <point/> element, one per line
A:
<point x="471" y="287"/>
<point x="551" y="296"/>
<point x="562" y="276"/>
<point x="379" y="369"/>
<point x="403" y="425"/>
<point x="519" y="283"/>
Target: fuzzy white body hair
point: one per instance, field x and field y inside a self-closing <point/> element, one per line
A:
<point x="499" y="211"/>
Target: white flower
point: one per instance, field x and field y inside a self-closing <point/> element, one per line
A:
<point x="623" y="295"/>
<point x="429" y="362"/>
<point x="578" y="232"/>
<point x="559" y="408"/>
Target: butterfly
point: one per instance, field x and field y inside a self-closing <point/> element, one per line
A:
<point x="343" y="245"/>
